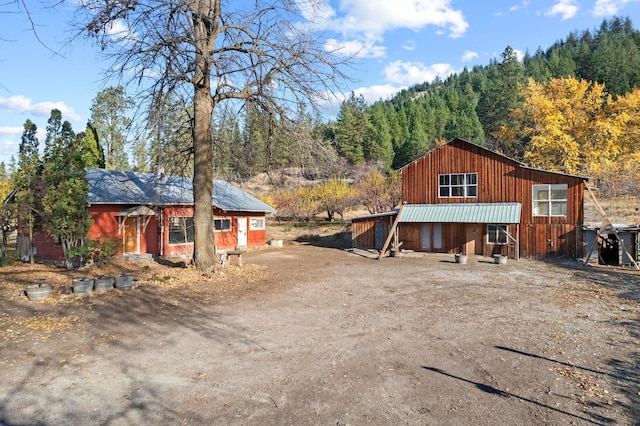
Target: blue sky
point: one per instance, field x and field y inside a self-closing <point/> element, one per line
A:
<point x="399" y="43"/>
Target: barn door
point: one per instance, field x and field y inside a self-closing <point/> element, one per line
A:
<point x="131" y="235"/>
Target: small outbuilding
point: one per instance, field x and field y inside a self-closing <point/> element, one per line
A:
<point x="614" y="245"/>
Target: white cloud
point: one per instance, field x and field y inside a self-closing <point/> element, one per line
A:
<point x="609" y="7"/>
<point x="9" y="143"/>
<point x="409" y="45"/>
<point x="330" y="105"/>
<point x="20" y="104"/>
<point x="469" y="56"/>
<point x="355" y="48"/>
<point x="318" y="14"/>
<point x="11" y="131"/>
<point x="514" y="8"/>
<point x="364" y="22"/>
<point x="517" y="7"/>
<point x="519" y="54"/>
<point x="378" y="16"/>
<point x="374" y="93"/>
<point x="409" y="73"/>
<point x="567" y="9"/>
<point x="118" y="30"/>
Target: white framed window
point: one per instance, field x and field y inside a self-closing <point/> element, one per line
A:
<point x="180" y="230"/>
<point x="458" y="185"/>
<point x="497" y="234"/>
<point x="256" y="223"/>
<point x="550" y="200"/>
<point x="222" y="225"/>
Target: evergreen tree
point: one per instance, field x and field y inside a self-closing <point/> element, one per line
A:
<point x="67" y="218"/>
<point x="501" y="94"/>
<point x="169" y="137"/>
<point x="536" y="67"/>
<point x="381" y="147"/>
<point x="109" y="117"/>
<point x="92" y="152"/>
<point x="353" y="129"/>
<point x="25" y="182"/>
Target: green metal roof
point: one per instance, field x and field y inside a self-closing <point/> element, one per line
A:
<point x="498" y="213"/>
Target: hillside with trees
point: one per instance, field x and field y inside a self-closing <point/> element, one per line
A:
<point x="571" y="108"/>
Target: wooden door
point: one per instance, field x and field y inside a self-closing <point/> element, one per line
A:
<point x="474" y="239"/>
<point x="131" y="235"/>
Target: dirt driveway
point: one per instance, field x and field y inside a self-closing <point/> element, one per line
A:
<point x="309" y="335"/>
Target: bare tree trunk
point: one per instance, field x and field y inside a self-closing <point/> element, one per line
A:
<point x="204" y="256"/>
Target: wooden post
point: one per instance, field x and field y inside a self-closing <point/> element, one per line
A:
<point x="391" y="232"/>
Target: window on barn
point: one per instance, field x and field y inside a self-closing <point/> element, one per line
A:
<point x="458" y="185"/>
<point x="222" y="224"/>
<point x="256" y="223"/>
<point x="497" y="234"/>
<point x="550" y="200"/>
<point x="180" y="230"/>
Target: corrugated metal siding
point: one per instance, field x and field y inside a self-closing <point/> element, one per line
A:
<point x="497" y="213"/>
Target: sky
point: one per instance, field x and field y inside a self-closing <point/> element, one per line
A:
<point x="396" y="44"/>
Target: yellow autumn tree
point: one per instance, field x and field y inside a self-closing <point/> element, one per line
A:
<point x="333" y="196"/>
<point x="574" y="126"/>
<point x="567" y="126"/>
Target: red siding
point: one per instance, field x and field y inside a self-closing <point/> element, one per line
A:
<point x="153" y="239"/>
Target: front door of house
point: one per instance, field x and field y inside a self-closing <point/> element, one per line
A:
<point x="131" y="235"/>
<point x="242" y="232"/>
<point x="474" y="239"/>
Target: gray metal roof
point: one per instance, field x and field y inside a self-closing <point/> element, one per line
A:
<point x="118" y="187"/>
<point x="498" y="213"/>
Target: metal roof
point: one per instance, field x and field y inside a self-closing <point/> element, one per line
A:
<point x="498" y="213"/>
<point x="119" y="187"/>
<point x="136" y="211"/>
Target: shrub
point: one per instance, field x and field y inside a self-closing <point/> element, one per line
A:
<point x="95" y="250"/>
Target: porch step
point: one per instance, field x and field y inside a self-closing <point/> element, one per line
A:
<point x="139" y="257"/>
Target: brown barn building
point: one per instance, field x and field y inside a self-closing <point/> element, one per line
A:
<point x="464" y="198"/>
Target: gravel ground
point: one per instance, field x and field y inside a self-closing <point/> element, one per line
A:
<point x="325" y="336"/>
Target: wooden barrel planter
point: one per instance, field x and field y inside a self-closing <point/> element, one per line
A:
<point x="82" y="286"/>
<point x="103" y="283"/>
<point x="124" y="281"/>
<point x="38" y="291"/>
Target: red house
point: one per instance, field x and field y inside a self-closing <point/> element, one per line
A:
<point x="153" y="214"/>
<point x="464" y="198"/>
